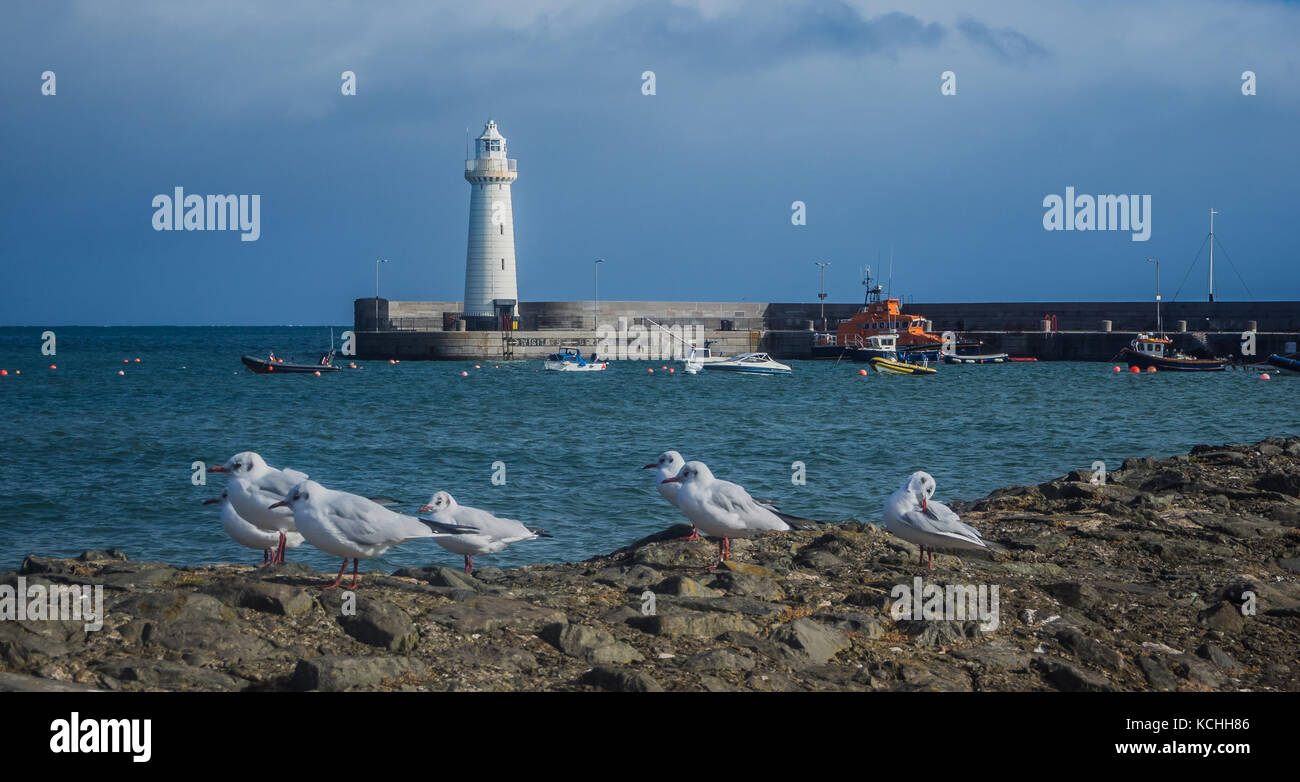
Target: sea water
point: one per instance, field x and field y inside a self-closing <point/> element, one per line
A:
<point x="94" y="459"/>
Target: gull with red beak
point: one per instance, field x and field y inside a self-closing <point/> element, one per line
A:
<point x="913" y="516"/>
<point x="721" y="508"/>
<point x="245" y="534"/>
<point x="253" y="486"/>
<point x="492" y="533"/>
<point x="353" y="527"/>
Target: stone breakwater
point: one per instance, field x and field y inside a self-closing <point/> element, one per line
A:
<point x="1175" y="574"/>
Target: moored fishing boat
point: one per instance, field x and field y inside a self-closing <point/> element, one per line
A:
<point x="885" y="316"/>
<point x="1147" y="350"/>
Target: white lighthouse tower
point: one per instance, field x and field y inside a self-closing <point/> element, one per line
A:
<point x="490" y="252"/>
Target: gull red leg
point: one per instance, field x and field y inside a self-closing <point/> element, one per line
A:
<point x="695" y="534"/>
<point x="931" y="558"/>
<point x="338" y="580"/>
<point x="721" y="554"/>
<point x="356" y="579"/>
<point x="279" y="554"/>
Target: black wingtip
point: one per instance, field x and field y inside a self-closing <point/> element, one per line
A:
<point x="539" y="532"/>
<point x="797" y="522"/>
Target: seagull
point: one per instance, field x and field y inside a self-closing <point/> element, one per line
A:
<point x="912" y="516"/>
<point x="667" y="466"/>
<point x="246" y="534"/>
<point x="492" y="533"/>
<point x="721" y="508"/>
<point x="253" y="486"/>
<point x="351" y="526"/>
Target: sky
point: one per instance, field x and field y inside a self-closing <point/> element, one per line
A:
<point x="687" y="193"/>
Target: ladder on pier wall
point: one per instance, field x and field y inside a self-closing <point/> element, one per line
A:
<point x="507" y="346"/>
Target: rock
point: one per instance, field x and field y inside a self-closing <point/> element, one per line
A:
<point x="588" y="643"/>
<point x="223" y="640"/>
<point x="267" y="597"/>
<point x="1075" y="594"/>
<point x="1089" y="651"/>
<point x="676" y="554"/>
<point x="17" y="682"/>
<point x="1157" y="674"/>
<point x="1215" y="654"/>
<point x="818" y="641"/>
<point x="443" y="577"/>
<point x="334" y="673"/>
<point x="854" y="622"/>
<point x="749" y="568"/>
<point x="1224" y="617"/>
<point x="683" y="586"/>
<point x="995" y="656"/>
<point x="1067" y="678"/>
<point x="491" y="612"/>
<point x="635" y="578"/>
<point x="162" y="674"/>
<point x="699" y="624"/>
<point x="748" y="585"/>
<point x="620" y="680"/>
<point x="380" y="623"/>
<point x="505" y="658"/>
<point x="90" y="555"/>
<point x="718" y="660"/>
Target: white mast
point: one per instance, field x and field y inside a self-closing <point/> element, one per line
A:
<point x="1212" y="214"/>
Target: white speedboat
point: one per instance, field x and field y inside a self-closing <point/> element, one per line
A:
<point x="749" y="363"/>
<point x="571" y="360"/>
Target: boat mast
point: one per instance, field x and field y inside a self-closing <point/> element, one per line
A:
<point x="1159" y="329"/>
<point x="1212" y="214"/>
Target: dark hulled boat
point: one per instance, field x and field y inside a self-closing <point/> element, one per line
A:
<point x="1289" y="362"/>
<point x="272" y="366"/>
<point x="1149" y="351"/>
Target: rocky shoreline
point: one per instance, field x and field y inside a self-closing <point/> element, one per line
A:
<point x="1175" y="574"/>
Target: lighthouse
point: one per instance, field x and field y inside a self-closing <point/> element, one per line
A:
<point x="490" y="287"/>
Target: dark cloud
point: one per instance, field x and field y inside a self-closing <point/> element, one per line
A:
<point x="1005" y="43"/>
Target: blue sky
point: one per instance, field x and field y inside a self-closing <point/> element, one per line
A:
<point x="687" y="194"/>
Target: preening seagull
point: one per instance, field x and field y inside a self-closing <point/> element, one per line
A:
<point x="913" y="516"/>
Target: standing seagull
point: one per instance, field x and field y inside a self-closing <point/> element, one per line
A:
<point x="246" y="534"/>
<point x="254" y="486"/>
<point x="911" y="515"/>
<point x="667" y="466"/>
<point x="721" y="508"/>
<point x="353" y="527"/>
<point x="492" y="533"/>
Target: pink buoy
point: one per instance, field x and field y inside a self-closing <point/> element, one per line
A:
<point x="650" y="370"/>
<point x="316" y="373"/>
<point x="1117" y="369"/>
<point x="120" y="372"/>
<point x="476" y="366"/>
<point x="671" y="370"/>
<point x="1265" y="376"/>
<point x="464" y="374"/>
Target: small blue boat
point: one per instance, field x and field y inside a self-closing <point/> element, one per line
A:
<point x="1288" y="363"/>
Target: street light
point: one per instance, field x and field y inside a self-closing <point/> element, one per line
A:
<point x="377" y="262"/>
<point x="595" y="293"/>
<point x="822" y="265"/>
<point x="1159" y="330"/>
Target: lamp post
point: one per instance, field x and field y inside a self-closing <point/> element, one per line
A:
<point x="595" y="293"/>
<point x="377" y="262"/>
<point x="1159" y="330"/>
<point x="822" y="265"/>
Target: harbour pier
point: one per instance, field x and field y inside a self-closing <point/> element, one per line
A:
<point x="1048" y="331"/>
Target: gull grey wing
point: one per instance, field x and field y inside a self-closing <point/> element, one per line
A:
<point x="951" y="528"/>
